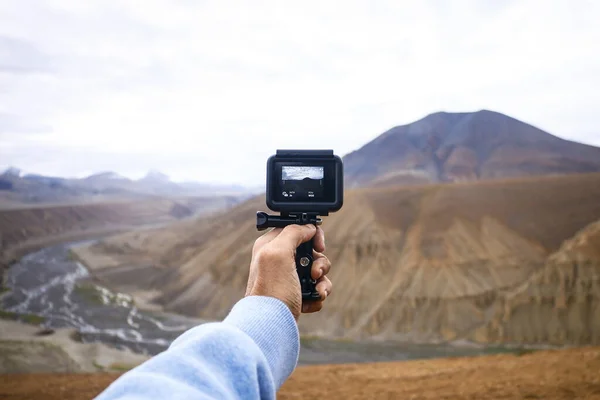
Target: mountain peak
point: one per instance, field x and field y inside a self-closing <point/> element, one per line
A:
<point x="450" y="147"/>
<point x="108" y="175"/>
<point x="12" y="172"/>
<point x="156" y="176"/>
<point x="458" y="115"/>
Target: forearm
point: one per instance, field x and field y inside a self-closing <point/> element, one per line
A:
<point x="247" y="356"/>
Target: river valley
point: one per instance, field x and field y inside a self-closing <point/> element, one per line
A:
<point x="49" y="283"/>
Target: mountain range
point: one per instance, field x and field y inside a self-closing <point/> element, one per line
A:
<point x="441" y="147"/>
<point x="31" y="188"/>
<point x="460" y="226"/>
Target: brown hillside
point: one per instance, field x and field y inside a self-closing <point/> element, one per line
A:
<point x="425" y="263"/>
<point x="560" y="302"/>
<point x="22" y="228"/>
<point x="458" y="147"/>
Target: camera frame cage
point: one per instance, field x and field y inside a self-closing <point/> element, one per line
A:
<point x="302" y="212"/>
<point x="312" y="157"/>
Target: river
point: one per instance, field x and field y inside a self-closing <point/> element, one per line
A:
<point x="50" y="284"/>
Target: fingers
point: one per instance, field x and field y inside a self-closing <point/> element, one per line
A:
<point x="319" y="240"/>
<point x="324" y="287"/>
<point x="293" y="236"/>
<point x="321" y="266"/>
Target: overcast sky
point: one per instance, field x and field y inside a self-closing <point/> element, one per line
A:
<point x="207" y="90"/>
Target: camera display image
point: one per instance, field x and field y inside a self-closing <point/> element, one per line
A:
<point x="302" y="182"/>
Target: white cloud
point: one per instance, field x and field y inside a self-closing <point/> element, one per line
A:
<point x="207" y="91"/>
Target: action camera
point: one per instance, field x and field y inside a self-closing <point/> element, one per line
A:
<point x="305" y="181"/>
<point x="302" y="185"/>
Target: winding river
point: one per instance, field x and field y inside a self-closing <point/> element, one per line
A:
<point x="50" y="284"/>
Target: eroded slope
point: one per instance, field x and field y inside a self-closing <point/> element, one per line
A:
<point x="425" y="263"/>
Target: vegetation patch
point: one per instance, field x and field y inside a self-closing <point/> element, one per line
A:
<point x="4" y="289"/>
<point x="32" y="319"/>
<point x="121" y="367"/>
<point x="76" y="336"/>
<point x="99" y="367"/>
<point x="523" y="351"/>
<point x="99" y="295"/>
<point x="307" y="340"/>
<point x="8" y="315"/>
<point x="71" y="256"/>
<point x="88" y="292"/>
<point x="114" y="367"/>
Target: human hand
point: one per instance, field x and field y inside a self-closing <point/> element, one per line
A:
<point x="273" y="267"/>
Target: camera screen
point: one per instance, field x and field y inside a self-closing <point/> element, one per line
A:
<point x="307" y="181"/>
<point x="302" y="182"/>
<point x="289" y="173"/>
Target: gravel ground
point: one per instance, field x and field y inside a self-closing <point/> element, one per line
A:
<point x="553" y="374"/>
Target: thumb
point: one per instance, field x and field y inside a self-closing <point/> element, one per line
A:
<point x="293" y="236"/>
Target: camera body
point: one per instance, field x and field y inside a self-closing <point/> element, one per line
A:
<point x="305" y="181"/>
<point x="302" y="185"/>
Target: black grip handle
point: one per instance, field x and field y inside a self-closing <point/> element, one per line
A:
<point x="304" y="262"/>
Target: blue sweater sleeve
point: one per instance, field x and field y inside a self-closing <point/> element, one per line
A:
<point x="247" y="356"/>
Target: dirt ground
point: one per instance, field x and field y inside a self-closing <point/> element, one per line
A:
<point x="557" y="374"/>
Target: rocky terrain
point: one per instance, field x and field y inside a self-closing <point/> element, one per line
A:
<point x="26" y="228"/>
<point x="29" y="349"/>
<point x="560" y="374"/>
<point x="460" y="228"/>
<point x="500" y="261"/>
<point x="455" y="147"/>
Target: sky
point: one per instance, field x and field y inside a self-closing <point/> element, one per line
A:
<point x="207" y="90"/>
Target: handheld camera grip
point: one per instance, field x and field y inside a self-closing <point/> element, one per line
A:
<point x="304" y="253"/>
<point x="304" y="262"/>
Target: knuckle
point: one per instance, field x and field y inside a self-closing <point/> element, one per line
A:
<point x="324" y="265"/>
<point x="325" y="285"/>
<point x="258" y="244"/>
